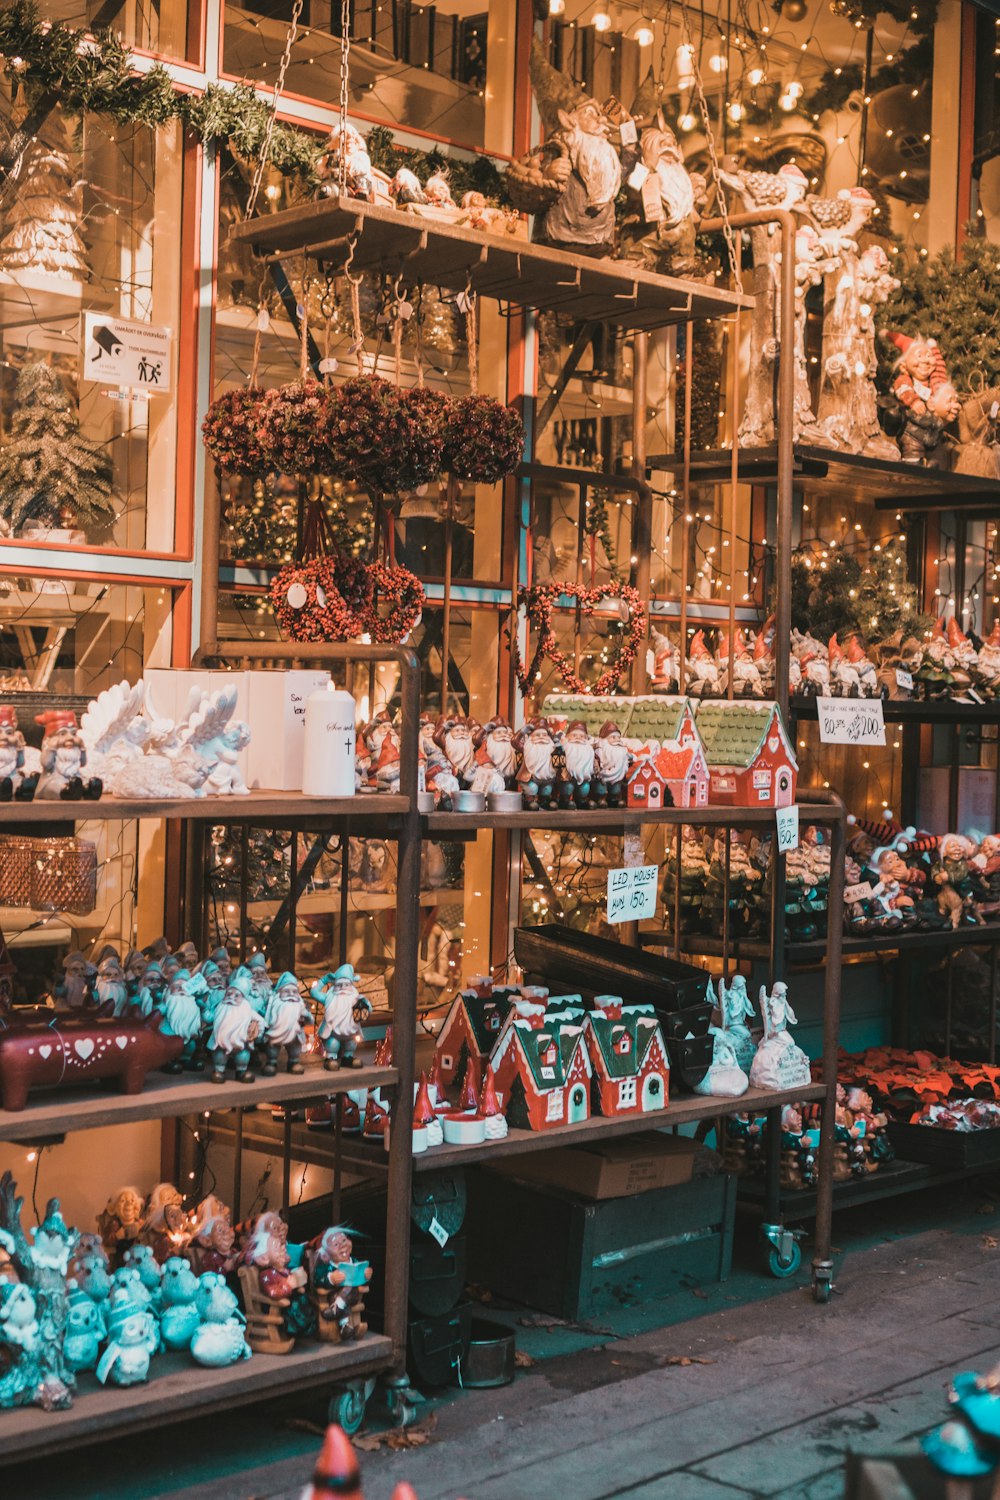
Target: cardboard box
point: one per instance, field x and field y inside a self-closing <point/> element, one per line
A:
<point x="609" y="1169"/>
<point x="277" y="718"/>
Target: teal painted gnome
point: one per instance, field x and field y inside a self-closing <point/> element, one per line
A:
<point x="179" y="1318"/>
<point x="286" y="1015"/>
<point x="236" y="1027"/>
<point x="219" y="1340"/>
<point x="85" y="1331"/>
<point x="128" y="1296"/>
<point x="142" y="1259"/>
<point x="40" y="1375"/>
<point x="182" y="1017"/>
<point x="341" y="1000"/>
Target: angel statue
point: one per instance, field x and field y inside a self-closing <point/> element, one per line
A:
<point x="735" y="1010"/>
<point x="780" y="190"/>
<point x="140" y="755"/>
<point x="779" y="1063"/>
<point x="856" y="280"/>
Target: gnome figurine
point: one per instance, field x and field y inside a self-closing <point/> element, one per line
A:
<point x="340" y="998"/>
<point x="286" y="1015"/>
<point x="63" y="759"/>
<point x="237" y="1026"/>
<point x="13" y="782"/>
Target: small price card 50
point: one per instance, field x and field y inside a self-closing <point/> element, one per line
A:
<point x="632" y="893"/>
<point x="787" y="819"/>
<point x="851" y="721"/>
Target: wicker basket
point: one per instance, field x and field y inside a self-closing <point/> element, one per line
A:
<point x="16" y="859"/>
<point x="528" y="190"/>
<point x="64" y="876"/>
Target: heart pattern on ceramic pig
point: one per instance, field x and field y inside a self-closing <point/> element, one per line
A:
<point x="83" y="1048"/>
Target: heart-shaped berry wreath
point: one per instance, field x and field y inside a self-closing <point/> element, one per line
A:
<point x="538" y="603"/>
<point x="342" y="598"/>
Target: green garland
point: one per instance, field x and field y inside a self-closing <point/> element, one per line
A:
<point x="95" y="74"/>
<point x="955" y="300"/>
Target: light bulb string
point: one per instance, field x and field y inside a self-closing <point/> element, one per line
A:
<point x="706" y="120"/>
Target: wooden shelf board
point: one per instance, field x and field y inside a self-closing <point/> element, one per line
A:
<point x="179" y="1388"/>
<point x="826" y="471"/>
<point x="892" y="1180"/>
<point x="917" y="710"/>
<point x="501" y="266"/>
<point x="260" y="806"/>
<point x="618" y="818"/>
<point x="684" y="1110"/>
<point x="167" y="1096"/>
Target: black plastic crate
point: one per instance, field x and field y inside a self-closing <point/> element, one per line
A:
<point x="570" y="962"/>
<point x="946" y="1148"/>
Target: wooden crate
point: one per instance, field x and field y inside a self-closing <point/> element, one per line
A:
<point x="574" y="1258"/>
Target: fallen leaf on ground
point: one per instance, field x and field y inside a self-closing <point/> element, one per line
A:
<point x="696" y="1291"/>
<point x="686" y="1359"/>
<point x="541" y="1320"/>
<point x="302" y="1424"/>
<point x="398" y="1438"/>
<point x="523" y="1360"/>
<point x="990" y="1242"/>
<point x="986" y="1208"/>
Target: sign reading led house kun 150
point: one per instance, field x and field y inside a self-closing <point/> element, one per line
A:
<point x="128" y="354"/>
<point x="632" y="893"/>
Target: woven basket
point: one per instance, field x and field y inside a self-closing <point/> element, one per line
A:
<point x="528" y="191"/>
<point x="16" y="858"/>
<point x="64" y="876"/>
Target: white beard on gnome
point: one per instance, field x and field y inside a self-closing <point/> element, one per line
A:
<point x="612" y="759"/>
<point x="538" y="748"/>
<point x="579" y="759"/>
<point x="236" y="1024"/>
<point x="500" y="749"/>
<point x="593" y="157"/>
<point x="461" y="751"/>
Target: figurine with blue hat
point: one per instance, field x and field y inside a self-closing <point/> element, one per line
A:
<point x="342" y="1002"/>
<point x="260" y="980"/>
<point x="85" y="1331"/>
<point x="182" y="1017"/>
<point x="236" y="1027"/>
<point x="286" y="1015"/>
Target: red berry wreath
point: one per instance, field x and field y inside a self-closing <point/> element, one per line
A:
<point x="538" y="603"/>
<point x="293" y="429"/>
<point x="403" y="592"/>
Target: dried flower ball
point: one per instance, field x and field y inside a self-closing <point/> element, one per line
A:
<point x="483" y="439"/>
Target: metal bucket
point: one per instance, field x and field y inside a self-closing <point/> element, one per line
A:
<point x="488" y="1359"/>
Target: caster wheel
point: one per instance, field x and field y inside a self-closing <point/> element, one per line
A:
<point x="347" y="1409"/>
<point x="780" y="1267"/>
<point x="402" y="1411"/>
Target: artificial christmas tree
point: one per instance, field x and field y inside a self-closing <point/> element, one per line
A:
<point x="43" y="222"/>
<point x="50" y="474"/>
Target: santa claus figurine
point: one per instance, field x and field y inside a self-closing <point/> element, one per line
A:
<point x="456" y="739"/>
<point x="578" y="748"/>
<point x="613" y="763"/>
<point x="537" y="776"/>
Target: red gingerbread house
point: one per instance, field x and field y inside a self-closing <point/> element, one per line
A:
<point x="628" y="1058"/>
<point x="647" y="786"/>
<point x="751" y="761"/>
<point x="542" y="1071"/>
<point x="471" y="1029"/>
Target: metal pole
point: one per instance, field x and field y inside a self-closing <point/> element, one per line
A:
<point x="822" y="1261"/>
<point x="642" y="527"/>
<point x="686" y="498"/>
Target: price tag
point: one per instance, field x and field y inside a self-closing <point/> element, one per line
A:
<point x="652" y="203"/>
<point x="629" y="134"/>
<point x="904" y="679"/>
<point x="787" y="819"/>
<point x="327" y="366"/>
<point x="862" y="892"/>
<point x="632" y="893"/>
<point x="438" y="1232"/>
<point x="637" y="177"/>
<point x="851" y="721"/>
<point x="650" y="662"/>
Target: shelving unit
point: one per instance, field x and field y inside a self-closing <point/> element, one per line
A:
<point x="494" y="265"/>
<point x="179" y="1388"/>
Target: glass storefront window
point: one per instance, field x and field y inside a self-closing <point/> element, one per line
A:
<point x="169" y="28"/>
<point x="90" y="226"/>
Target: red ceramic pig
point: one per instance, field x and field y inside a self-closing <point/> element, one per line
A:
<point x="79" y="1049"/>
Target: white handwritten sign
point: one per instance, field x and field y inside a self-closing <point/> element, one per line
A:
<point x="851" y="721"/>
<point x="787" y="819"/>
<point x="904" y="679"/>
<point x="127" y="354"/>
<point x="861" y="892"/>
<point x="632" y="893"/>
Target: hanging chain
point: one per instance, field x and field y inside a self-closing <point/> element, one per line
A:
<point x="345" y="72"/>
<point x="706" y="121"/>
<point x="279" y="85"/>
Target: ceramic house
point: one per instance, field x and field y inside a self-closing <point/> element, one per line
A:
<point x="751" y="761"/>
<point x="680" y="759"/>
<point x="646" y="787"/>
<point x="542" y="1071"/>
<point x="628" y="1059"/>
<point x="471" y="1029"/>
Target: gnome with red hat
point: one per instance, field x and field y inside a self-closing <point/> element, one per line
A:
<point x="927" y="398"/>
<point x="13" y="782"/>
<point x="614" y="762"/>
<point x="63" y="758"/>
